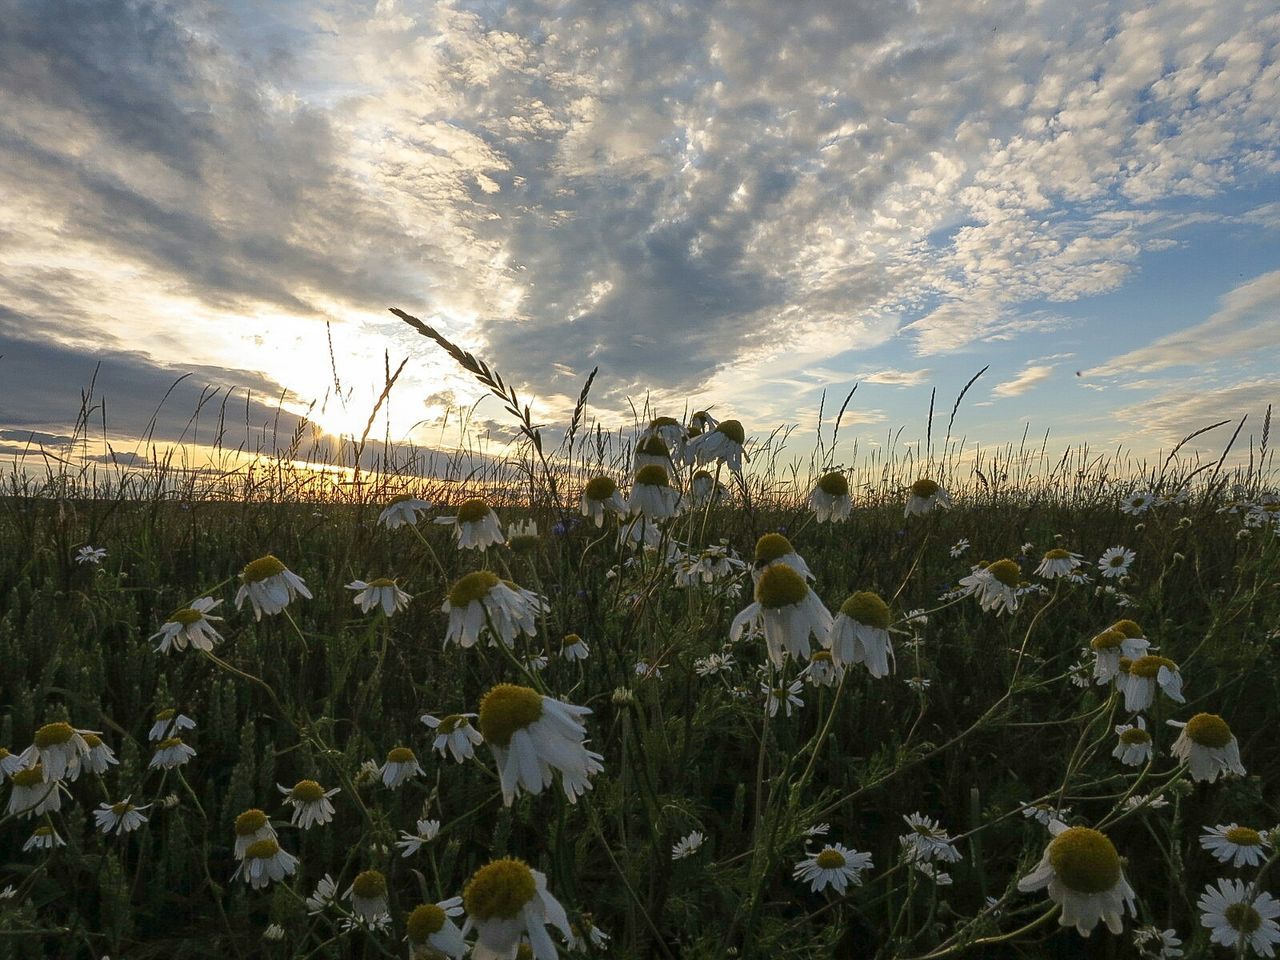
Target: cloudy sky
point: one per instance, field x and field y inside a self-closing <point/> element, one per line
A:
<point x="739" y="204"/>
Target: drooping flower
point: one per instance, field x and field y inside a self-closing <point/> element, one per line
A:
<point x="32" y="795"/>
<point x="926" y="495"/>
<point x="1138" y="680"/>
<point x="480" y="603"/>
<point x="1082" y="871"/>
<point x="475" y="525"/>
<point x="1208" y="747"/>
<point x="573" y="647"/>
<point x="382" y="592"/>
<point x="190" y="625"/>
<point x="774" y="548"/>
<point x="269" y="586"/>
<point x="430" y="928"/>
<point x="652" y="495"/>
<point x="100" y="756"/>
<point x="995" y="586"/>
<point x="402" y="509"/>
<point x="505" y="900"/>
<point x="1121" y="641"/>
<point x="169" y="722"/>
<point x="368" y="895"/>
<point x="704" y="488"/>
<point x="310" y="802"/>
<point x="1134" y="748"/>
<point x="250" y="827"/>
<point x="265" y="862"/>
<point x="59" y="748"/>
<point x="1058" y="563"/>
<point x="835" y="866"/>
<point x="830" y="499"/>
<point x="601" y="496"/>
<point x="1237" y="917"/>
<point x="171" y="753"/>
<point x="43" y="838"/>
<point x="787" y="612"/>
<point x="927" y="841"/>
<point x="687" y="846"/>
<point x="723" y="443"/>
<point x="653" y="451"/>
<point x="860" y="634"/>
<point x="123" y="817"/>
<point x="401" y="765"/>
<point x="411" y="843"/>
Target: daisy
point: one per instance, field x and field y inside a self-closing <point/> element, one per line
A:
<point x="723" y="443"/>
<point x="476" y="525"/>
<point x="704" y="488"/>
<point x="1208" y="747"/>
<point x="59" y="749"/>
<point x="927" y="841"/>
<point x="1058" y="563"/>
<point x="274" y="933"/>
<point x="401" y="765"/>
<point x="713" y="663"/>
<point x="1134" y="748"/>
<point x="926" y="495"/>
<point x="1139" y="678"/>
<point x="522" y="536"/>
<point x="958" y="548"/>
<point x="1233" y="843"/>
<point x="368" y="895"/>
<point x="830" y="499"/>
<point x="191" y="625"/>
<point x="600" y="496"/>
<point x="32" y="795"/>
<point x="531" y="736"/>
<point x="787" y="612"/>
<point x="822" y="670"/>
<point x="250" y="827"/>
<point x="687" y="846"/>
<point x="10" y="763"/>
<point x="1082" y="870"/>
<point x="774" y="548"/>
<point x="701" y="422"/>
<point x="171" y="753"/>
<point x="586" y="934"/>
<point x="995" y="586"/>
<point x="43" y="838"/>
<point x="169" y="722"/>
<point x="505" y="900"/>
<point x="668" y="429"/>
<point x="269" y="586"/>
<point x="455" y="734"/>
<point x="1138" y="502"/>
<point x="122" y="817"/>
<point x="1113" y="645"/>
<point x="1238" y="919"/>
<point x="430" y="928"/>
<point x="402" y="509"/>
<point x="835" y="866"/>
<point x="381" y="592"/>
<point x="411" y="843"/>
<point x="786" y="696"/>
<point x="1115" y="562"/>
<point x="480" y="602"/>
<point x="573" y="647"/>
<point x="1044" y="814"/>
<point x="860" y="634"/>
<point x="1156" y="944"/>
<point x="653" y="451"/>
<point x="652" y="495"/>
<point x="310" y="803"/>
<point x="93" y="555"/>
<point x="326" y="892"/>
<point x="264" y="862"/>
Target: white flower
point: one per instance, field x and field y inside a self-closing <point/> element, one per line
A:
<point x="454" y="733"/>
<point x="476" y="525"/>
<point x="264" y="862"/>
<point x="958" y="548"/>
<point x="191" y="625"/>
<point x="310" y="803"/>
<point x="1151" y="801"/>
<point x="381" y="592"/>
<point x="531" y="736"/>
<point x="835" y="866"/>
<point x="122" y="817"/>
<point x="927" y="841"/>
<point x="938" y="876"/>
<point x="687" y="846"/>
<point x="10" y="763"/>
<point x="818" y="830"/>
<point x="786" y="696"/>
<point x="250" y="827"/>
<point x="926" y="495"/>
<point x="713" y="663"/>
<point x="480" y="603"/>
<point x="169" y="723"/>
<point x="573" y="647"/>
<point x="918" y="684"/>
<point x="773" y="549"/>
<point x="1138" y="680"/>
<point x="860" y="634"/>
<point x="1138" y="502"/>
<point x="1115" y="562"/>
<point x="401" y="510"/>
<point x="171" y="753"/>
<point x="504" y="900"/>
<point x="1134" y="747"/>
<point x="995" y="586"/>
<point x="59" y="748"/>
<point x="1208" y="747"/>
<point x="411" y="843"/>
<point x="830" y="499"/>
<point x="586" y="933"/>
<point x="1123" y="640"/>
<point x="600" y="497"/>
<point x="401" y="765"/>
<point x="1235" y="844"/>
<point x="704" y="487"/>
<point x="1044" y="814"/>
<point x="430" y="926"/>
<point x="326" y="890"/>
<point x="93" y="555"/>
<point x="787" y="612"/>
<point x="269" y="586"/>
<point x="822" y="670"/>
<point x="368" y="895"/>
<point x="274" y="933"/>
<point x="1237" y="920"/>
<point x="1156" y="944"/>
<point x="723" y="443"/>
<point x="43" y="838"/>
<point x="1082" y="870"/>
<point x="32" y="795"/>
<point x="1058" y="563"/>
<point x="653" y="450"/>
<point x="652" y="495"/>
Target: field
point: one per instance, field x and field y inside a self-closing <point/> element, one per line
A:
<point x="689" y="829"/>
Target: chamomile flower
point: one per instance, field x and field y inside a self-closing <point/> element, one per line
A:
<point x="1115" y="562"/>
<point x="310" y="803"/>
<point x="926" y="496"/>
<point x="959" y="548"/>
<point x="505" y="900"/>
<point x="652" y="450"/>
<point x="265" y="862"/>
<point x="586" y="935"/>
<point x="269" y="586"/>
<point x="573" y="647"/>
<point x="59" y="748"/>
<point x="652" y="495"/>
<point x="701" y="422"/>
<point x="480" y="603"/>
<point x="1156" y="944"/>
<point x="531" y="736"/>
<point x="250" y="827"/>
<point x="835" y="866"/>
<point x="704" y="488"/>
<point x="1138" y="502"/>
<point x="1134" y="746"/>
<point x="723" y="443"/>
<point x="411" y="843"/>
<point x="381" y="592"/>
<point x="274" y="933"/>
<point x="1121" y="641"/>
<point x="927" y="841"/>
<point x="995" y="586"/>
<point x="368" y="895"/>
<point x="1045" y="814"/>
<point x="402" y="509"/>
<point x="822" y="670"/>
<point x="1208" y="747"/>
<point x="475" y="525"/>
<point x="787" y="612"/>
<point x="170" y="754"/>
<point x="92" y="555"/>
<point x="774" y="548"/>
<point x="43" y="838"/>
<point x="122" y="817"/>
<point x="1138" y="680"/>
<point x="860" y="634"/>
<point x="522" y="536"/>
<point x="10" y="763"/>
<point x="687" y="846"/>
<point x="830" y="499"/>
<point x="167" y="723"/>
<point x="600" y="497"/>
<point x="669" y="429"/>
<point x="326" y="892"/>
<point x="1234" y="844"/>
<point x="430" y="928"/>
<point x="713" y="663"/>
<point x="454" y="733"/>
<point x="1238" y="918"/>
<point x="33" y="795"/>
<point x="1083" y="874"/>
<point x="191" y="625"/>
<point x="401" y="765"/>
<point x="1058" y="563"/>
<point x="788" y="697"/>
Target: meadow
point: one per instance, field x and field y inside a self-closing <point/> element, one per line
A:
<point x="875" y="782"/>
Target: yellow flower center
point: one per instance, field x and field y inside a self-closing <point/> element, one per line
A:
<point x="400" y="755"/>
<point x="166" y="714"/>
<point x="924" y="488"/>
<point x="830" y="859"/>
<point x="570" y="639"/>
<point x="867" y="608"/>
<point x="652" y="475"/>
<point x="507" y="708"/>
<point x="400" y="498"/>
<point x="370" y="885"/>
<point x="1129" y="628"/>
<point x="653" y="447"/>
<point x="472" y="587"/>
<point x="250" y="822"/>
<point x="169" y="744"/>
<point x="733" y="430"/>
<point x="262" y="849"/>
<point x="1135" y="735"/>
<point x="657" y="422"/>
<point x="1084" y="860"/>
<point x="186" y="616"/>
<point x="306" y="791"/>
<point x="1209" y="730"/>
<point x="820" y="656"/>
<point x="382" y="582"/>
<point x="499" y="890"/>
<point x="772" y="546"/>
<point x="425" y="920"/>
<point x="1057" y="553"/>
<point x="600" y="488"/>
<point x="780" y="586"/>
<point x="1243" y="917"/>
<point x="1107" y="640"/>
<point x="524" y="952"/>
<point x="472" y="510"/>
<point x="452" y="722"/>
<point x="1006" y="571"/>
<point x="45" y="831"/>
<point x="261" y="569"/>
<point x="31" y="777"/>
<point x="1149" y="666"/>
<point x="121" y="808"/>
<point x="1117" y="560"/>
<point x="834" y="485"/>
<point x="53" y="735"/>
<point x="704" y="475"/>
<point x="1244" y="836"/>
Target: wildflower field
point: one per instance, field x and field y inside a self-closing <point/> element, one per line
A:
<point x="654" y="693"/>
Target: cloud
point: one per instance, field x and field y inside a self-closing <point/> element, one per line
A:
<point x="1178" y="411"/>
<point x="1024" y="381"/>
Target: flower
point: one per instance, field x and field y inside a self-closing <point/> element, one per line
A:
<point x="169" y="722"/>
<point x="1134" y="748"/>
<point x="122" y="817"/>
<point x="652" y="495"/>
<point x="269" y="586"/>
<point x="479" y="602"/>
<point x="310" y="803"/>
<point x="652" y="451"/>
<point x="93" y="555"/>
<point x="927" y="841"/>
<point x="1139" y="678"/>
<point x="10" y="763"/>
<point x="1139" y="501"/>
<point x="830" y="498"/>
<point x="33" y="795"/>
<point x="573" y="647"/>
<point x="476" y="525"/>
<point x="171" y="753"/>
<point x="1208" y="747"/>
<point x="454" y="733"/>
<point x="250" y="827"/>
<point x="326" y="890"/>
<point x="822" y="670"/>
<point x="1236" y="918"/>
<point x="668" y="429"/>
<point x="58" y="748"/>
<point x="1058" y="563"/>
<point x="430" y="927"/>
<point x="1235" y="844"/>
<point x="787" y="696"/>
<point x="505" y="899"/>
<point x="522" y="536"/>
<point x="264" y="862"/>
<point x="1156" y="944"/>
<point x="704" y="488"/>
<point x="381" y="592"/>
<point x="926" y="495"/>
<point x="713" y="663"/>
<point x="958" y="548"/>
<point x="43" y="838"/>
<point x="774" y="548"/>
<point x="1044" y="814"/>
<point x="411" y="843"/>
<point x="401" y="765"/>
<point x="687" y="846"/>
<point x="995" y="586"/>
<point x="368" y="895"/>
<point x="190" y="625"/>
<point x="402" y="509"/>
<point x="1121" y="641"/>
<point x="601" y="496"/>
<point x="1082" y="870"/>
<point x="1115" y="562"/>
<point x="100" y="756"/>
<point x="787" y="612"/>
<point x="835" y="866"/>
<point x="723" y="443"/>
<point x="586" y="933"/>
<point x="860" y="634"/>
<point x="532" y="735"/>
<point x="274" y="933"/>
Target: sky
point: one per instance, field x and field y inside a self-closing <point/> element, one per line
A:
<point x="727" y="205"/>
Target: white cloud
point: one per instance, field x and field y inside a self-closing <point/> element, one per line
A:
<point x="1024" y="381"/>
